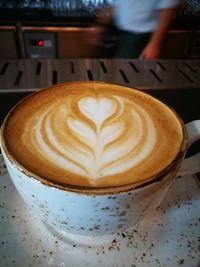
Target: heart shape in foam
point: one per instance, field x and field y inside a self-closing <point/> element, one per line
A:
<point x="97" y="109"/>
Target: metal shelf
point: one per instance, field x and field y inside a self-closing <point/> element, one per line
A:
<point x="30" y="75"/>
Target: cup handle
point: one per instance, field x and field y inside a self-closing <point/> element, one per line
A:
<point x="191" y="165"/>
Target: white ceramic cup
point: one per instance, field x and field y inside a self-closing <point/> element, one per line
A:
<point x="98" y="211"/>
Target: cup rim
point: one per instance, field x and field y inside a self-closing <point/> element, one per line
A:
<point x="93" y="190"/>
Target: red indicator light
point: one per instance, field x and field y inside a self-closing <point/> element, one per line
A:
<point x="40" y="43"/>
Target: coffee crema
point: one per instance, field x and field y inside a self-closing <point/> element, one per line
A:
<point x="93" y="135"/>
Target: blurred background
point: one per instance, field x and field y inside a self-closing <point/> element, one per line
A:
<point x="58" y="29"/>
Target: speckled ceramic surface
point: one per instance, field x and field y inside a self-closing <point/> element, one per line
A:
<point x="168" y="237"/>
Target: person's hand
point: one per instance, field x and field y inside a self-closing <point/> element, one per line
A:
<point x="104" y="18"/>
<point x="151" y="51"/>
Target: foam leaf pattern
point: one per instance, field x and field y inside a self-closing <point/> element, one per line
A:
<point x="95" y="136"/>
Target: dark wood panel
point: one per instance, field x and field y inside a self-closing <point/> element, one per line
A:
<point x="8" y="47"/>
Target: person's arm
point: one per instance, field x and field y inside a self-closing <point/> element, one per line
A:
<point x="104" y="17"/>
<point x="153" y="48"/>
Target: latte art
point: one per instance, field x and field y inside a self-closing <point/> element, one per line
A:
<point x="93" y="135"/>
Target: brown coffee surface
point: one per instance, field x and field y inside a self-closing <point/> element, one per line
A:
<point x="93" y="135"/>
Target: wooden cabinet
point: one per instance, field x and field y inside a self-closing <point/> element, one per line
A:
<point x="74" y="42"/>
<point x="8" y="45"/>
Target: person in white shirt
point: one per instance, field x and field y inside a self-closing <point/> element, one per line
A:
<point x="142" y="26"/>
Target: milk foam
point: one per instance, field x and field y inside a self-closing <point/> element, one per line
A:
<point x="111" y="135"/>
<point x="93" y="135"/>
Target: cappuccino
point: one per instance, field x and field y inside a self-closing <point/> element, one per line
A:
<point x="93" y="135"/>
